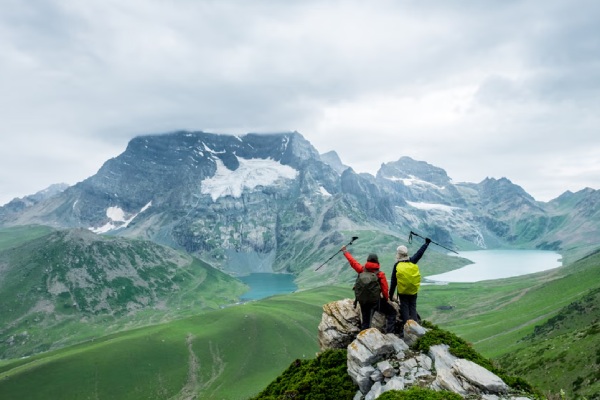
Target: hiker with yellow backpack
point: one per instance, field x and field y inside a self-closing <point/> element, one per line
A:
<point x="407" y="278"/>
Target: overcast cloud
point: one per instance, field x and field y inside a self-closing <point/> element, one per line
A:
<point x="481" y="89"/>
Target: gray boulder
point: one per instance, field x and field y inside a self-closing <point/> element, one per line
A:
<point x="379" y="362"/>
<point x="340" y="324"/>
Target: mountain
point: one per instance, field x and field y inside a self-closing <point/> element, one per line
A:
<point x="147" y="239"/>
<point x="332" y="159"/>
<point x="17" y="205"/>
<point x="68" y="285"/>
<point x="262" y="203"/>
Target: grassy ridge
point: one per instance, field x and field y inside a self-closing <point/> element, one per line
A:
<point x="495" y="315"/>
<point x="251" y="344"/>
<point x="555" y="352"/>
<point x="231" y="353"/>
<point x="62" y="287"/>
<point x="12" y="237"/>
<point x="543" y="327"/>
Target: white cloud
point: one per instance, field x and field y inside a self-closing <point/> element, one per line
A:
<point x="503" y="89"/>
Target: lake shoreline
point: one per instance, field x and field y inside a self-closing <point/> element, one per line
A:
<point x="498" y="264"/>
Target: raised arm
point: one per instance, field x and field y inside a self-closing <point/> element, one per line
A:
<point x="353" y="263"/>
<point x="417" y="256"/>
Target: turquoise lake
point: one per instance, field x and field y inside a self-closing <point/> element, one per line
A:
<point x="487" y="265"/>
<point x="498" y="264"/>
<point x="265" y="284"/>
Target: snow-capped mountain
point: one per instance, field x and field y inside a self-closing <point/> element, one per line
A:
<point x="260" y="202"/>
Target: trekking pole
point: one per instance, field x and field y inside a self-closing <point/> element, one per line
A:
<point x="353" y="239"/>
<point x="416" y="234"/>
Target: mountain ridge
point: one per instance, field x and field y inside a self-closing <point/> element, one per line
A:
<point x="67" y="285"/>
<point x="224" y="198"/>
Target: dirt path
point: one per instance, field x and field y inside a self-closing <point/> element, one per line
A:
<point x="218" y="366"/>
<point x="191" y="388"/>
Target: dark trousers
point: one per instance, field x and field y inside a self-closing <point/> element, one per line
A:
<point x="367" y="311"/>
<point x="408" y="308"/>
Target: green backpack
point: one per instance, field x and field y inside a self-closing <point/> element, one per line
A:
<point x="366" y="287"/>
<point x="408" y="277"/>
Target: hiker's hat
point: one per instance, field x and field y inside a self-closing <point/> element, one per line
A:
<point x="373" y="258"/>
<point x="402" y="253"/>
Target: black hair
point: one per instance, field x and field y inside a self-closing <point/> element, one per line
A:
<point x="373" y="258"/>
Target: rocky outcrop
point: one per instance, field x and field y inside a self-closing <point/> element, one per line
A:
<point x="340" y="323"/>
<point x="379" y="362"/>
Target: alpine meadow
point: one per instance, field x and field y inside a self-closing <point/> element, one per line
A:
<point x="126" y="285"/>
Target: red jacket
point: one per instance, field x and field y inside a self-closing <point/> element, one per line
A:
<point x="372" y="267"/>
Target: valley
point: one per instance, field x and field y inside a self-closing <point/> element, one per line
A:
<point x="496" y="317"/>
<point x="125" y="285"/>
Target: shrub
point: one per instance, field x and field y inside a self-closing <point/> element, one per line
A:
<point x="419" y="394"/>
<point x="323" y="378"/>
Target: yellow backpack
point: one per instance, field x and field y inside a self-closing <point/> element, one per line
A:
<point x="408" y="277"/>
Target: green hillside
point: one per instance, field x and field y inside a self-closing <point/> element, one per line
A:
<point x="540" y="327"/>
<point x="564" y="352"/>
<point x="253" y="343"/>
<point x="61" y="287"/>
<point x="227" y="354"/>
<point x="543" y="327"/>
<point x="12" y="237"/>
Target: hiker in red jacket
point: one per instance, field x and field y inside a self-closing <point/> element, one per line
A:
<point x="380" y="302"/>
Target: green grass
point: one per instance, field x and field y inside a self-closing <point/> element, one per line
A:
<point x="251" y="344"/>
<point x="419" y="394"/>
<point x="500" y="319"/>
<point x="495" y="315"/>
<point x="12" y="237"/>
<point x="553" y="355"/>
<point x="248" y="345"/>
<point x="122" y="284"/>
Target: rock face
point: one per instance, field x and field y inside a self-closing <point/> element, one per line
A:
<point x="247" y="203"/>
<point x="340" y="323"/>
<point x="379" y="362"/>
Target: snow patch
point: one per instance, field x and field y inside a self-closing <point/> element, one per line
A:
<point x="412" y="180"/>
<point x="324" y="192"/>
<point x="116" y="214"/>
<point x="147" y="206"/>
<point x="117" y="218"/>
<point x="432" y="206"/>
<point x="209" y="150"/>
<point x="250" y="174"/>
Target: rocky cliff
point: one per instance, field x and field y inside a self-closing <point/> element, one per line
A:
<point x="379" y="363"/>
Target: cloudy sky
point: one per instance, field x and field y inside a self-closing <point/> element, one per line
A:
<point x="496" y="89"/>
